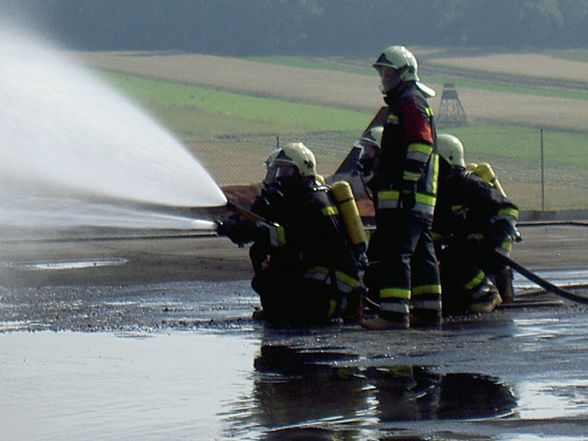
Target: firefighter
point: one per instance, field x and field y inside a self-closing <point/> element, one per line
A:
<point x="305" y="269"/>
<point x="405" y="194"/>
<point x="473" y="220"/>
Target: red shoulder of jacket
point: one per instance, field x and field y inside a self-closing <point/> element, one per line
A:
<point x="416" y="118"/>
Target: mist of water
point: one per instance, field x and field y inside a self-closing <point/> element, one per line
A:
<point x="66" y="136"/>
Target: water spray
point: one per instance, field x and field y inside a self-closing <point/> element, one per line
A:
<point x="69" y="140"/>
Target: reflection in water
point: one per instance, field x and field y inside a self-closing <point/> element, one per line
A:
<point x="307" y="395"/>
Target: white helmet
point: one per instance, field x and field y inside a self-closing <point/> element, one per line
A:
<point x="292" y="159"/>
<point x="373" y="136"/>
<point x="451" y="149"/>
<point x="405" y="64"/>
<point x="369" y="143"/>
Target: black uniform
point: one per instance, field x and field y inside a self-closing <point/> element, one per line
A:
<point x="305" y="270"/>
<point x="406" y="184"/>
<point x="472" y="220"/>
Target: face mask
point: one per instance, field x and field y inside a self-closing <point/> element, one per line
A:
<point x="389" y="78"/>
<point x="277" y="173"/>
<point x="368" y="159"/>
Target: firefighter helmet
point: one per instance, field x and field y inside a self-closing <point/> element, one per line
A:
<point x="373" y="136"/>
<point x="400" y="59"/>
<point x="294" y="159"/>
<point x="370" y="149"/>
<point x="404" y="64"/>
<point x="451" y="149"/>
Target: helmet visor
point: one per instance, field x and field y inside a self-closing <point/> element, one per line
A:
<point x="369" y="151"/>
<point x="389" y="78"/>
<point x="279" y="172"/>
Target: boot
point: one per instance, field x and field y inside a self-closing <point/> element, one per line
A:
<point x="392" y="321"/>
<point x="354" y="309"/>
<point x="426" y="318"/>
<point x="486" y="303"/>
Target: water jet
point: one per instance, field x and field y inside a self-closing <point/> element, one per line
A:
<point x="77" y="153"/>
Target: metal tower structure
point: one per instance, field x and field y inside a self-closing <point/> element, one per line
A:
<point x="451" y="112"/>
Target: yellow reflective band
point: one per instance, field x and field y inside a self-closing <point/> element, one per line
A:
<point x="397" y="293"/>
<point x="281" y="236"/>
<point x="435" y="176"/>
<point x="509" y="212"/>
<point x="332" y="308"/>
<point x="345" y="282"/>
<point x="456" y="207"/>
<point x="392" y="119"/>
<point x="427" y="289"/>
<point x="346" y="279"/>
<point x="478" y="278"/>
<point x="429" y="112"/>
<point x="506" y="246"/>
<point x="421" y="148"/>
<point x="391" y="195"/>
<point x="330" y="210"/>
<point x="411" y="176"/>
<point x="399" y="371"/>
<point x="425" y="199"/>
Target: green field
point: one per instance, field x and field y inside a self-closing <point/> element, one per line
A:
<point x="199" y="112"/>
<point x="232" y="132"/>
<point x="468" y="83"/>
<point x="506" y="142"/>
<point x="193" y="112"/>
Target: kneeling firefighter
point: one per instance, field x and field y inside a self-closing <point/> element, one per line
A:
<point x="473" y="220"/>
<point x="306" y="268"/>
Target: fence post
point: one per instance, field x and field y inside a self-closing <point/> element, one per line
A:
<point x="278" y="142"/>
<point x="542" y="170"/>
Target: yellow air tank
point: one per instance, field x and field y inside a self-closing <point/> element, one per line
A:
<point x="350" y="214"/>
<point x="484" y="170"/>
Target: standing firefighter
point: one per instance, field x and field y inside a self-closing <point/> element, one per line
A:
<point x="473" y="220"/>
<point x="305" y="267"/>
<point x="406" y="182"/>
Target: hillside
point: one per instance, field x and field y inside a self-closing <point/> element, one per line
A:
<point x="539" y="106"/>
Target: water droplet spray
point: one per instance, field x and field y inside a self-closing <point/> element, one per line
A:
<point x="69" y="143"/>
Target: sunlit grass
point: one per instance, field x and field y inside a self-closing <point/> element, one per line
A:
<point x="198" y="111"/>
<point x="484" y="85"/>
<point x="523" y="143"/>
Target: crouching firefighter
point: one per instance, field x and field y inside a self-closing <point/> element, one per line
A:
<point x="473" y="221"/>
<point x="306" y="269"/>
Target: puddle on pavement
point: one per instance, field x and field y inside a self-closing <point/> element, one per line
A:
<point x="557" y="277"/>
<point x="187" y="385"/>
<point x="65" y="264"/>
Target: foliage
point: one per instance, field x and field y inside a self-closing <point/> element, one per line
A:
<point x="308" y="26"/>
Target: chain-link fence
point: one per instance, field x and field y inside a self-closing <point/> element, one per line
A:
<point x="540" y="169"/>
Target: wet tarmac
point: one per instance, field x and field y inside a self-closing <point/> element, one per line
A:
<point x="150" y="337"/>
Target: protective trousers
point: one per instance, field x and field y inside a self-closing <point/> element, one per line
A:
<point x="289" y="298"/>
<point x="462" y="278"/>
<point x="409" y="272"/>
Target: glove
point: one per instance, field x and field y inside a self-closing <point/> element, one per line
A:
<point x="500" y="230"/>
<point x="407" y="195"/>
<point x="238" y="231"/>
<point x="258" y="254"/>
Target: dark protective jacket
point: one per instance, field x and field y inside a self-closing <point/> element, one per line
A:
<point x="312" y="241"/>
<point x="467" y="204"/>
<point x="407" y="162"/>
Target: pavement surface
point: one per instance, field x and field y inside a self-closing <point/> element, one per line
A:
<point x="156" y="341"/>
<point x="151" y="257"/>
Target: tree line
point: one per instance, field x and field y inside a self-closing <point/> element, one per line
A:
<point x="319" y="27"/>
